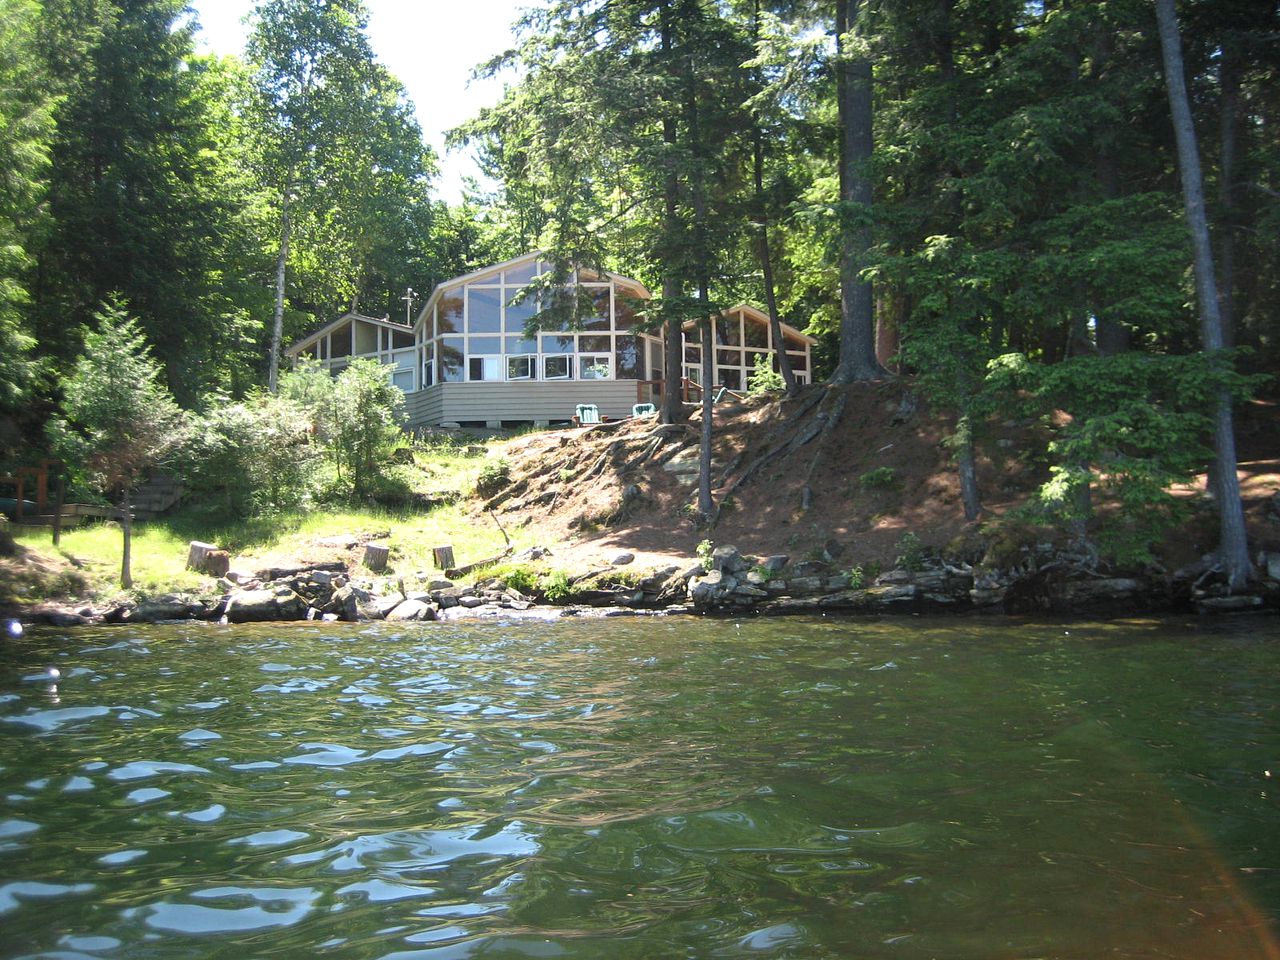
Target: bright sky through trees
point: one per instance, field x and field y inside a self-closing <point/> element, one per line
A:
<point x="432" y="49"/>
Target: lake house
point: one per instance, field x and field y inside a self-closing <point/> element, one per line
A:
<point x="466" y="359"/>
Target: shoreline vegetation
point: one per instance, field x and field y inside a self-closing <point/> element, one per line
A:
<point x="576" y="522"/>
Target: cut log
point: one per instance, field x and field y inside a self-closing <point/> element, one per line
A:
<point x="375" y="556"/>
<point x="196" y="554"/>
<point x="443" y="557"/>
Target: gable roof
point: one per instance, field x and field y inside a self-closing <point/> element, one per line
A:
<point x="759" y="316"/>
<point x="533" y="255"/>
<point x="314" y="336"/>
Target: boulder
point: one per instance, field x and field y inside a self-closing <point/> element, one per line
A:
<point x="412" y="610"/>
<point x="728" y="560"/>
<point x="168" y="607"/>
<point x="775" y="563"/>
<point x="622" y="559"/>
<point x="280" y="603"/>
<point x="1233" y="604"/>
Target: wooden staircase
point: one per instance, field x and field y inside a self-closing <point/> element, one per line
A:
<point x="157" y="496"/>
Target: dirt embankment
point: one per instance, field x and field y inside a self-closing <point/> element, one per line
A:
<point x="862" y="466"/>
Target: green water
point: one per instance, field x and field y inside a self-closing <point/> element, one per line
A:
<point x="643" y="789"/>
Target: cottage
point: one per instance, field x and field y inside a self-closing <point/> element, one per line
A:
<point x="467" y="358"/>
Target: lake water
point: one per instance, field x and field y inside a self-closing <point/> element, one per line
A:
<point x="644" y="788"/>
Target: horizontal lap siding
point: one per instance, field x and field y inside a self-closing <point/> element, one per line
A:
<point x="422" y="407"/>
<point x="536" y="400"/>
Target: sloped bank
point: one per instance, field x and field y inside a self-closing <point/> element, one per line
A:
<point x="1042" y="581"/>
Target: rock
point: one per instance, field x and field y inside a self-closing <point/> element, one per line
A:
<point x="987" y="596"/>
<point x="1232" y="604"/>
<point x="809" y="568"/>
<point x="412" y="610"/>
<point x="836" y="583"/>
<point x="351" y="604"/>
<point x="1273" y="566"/>
<point x="384" y="605"/>
<point x="281" y="603"/>
<point x="832" y="550"/>
<point x="169" y="607"/>
<point x="895" y="577"/>
<point x="776" y="562"/>
<point x="470" y="601"/>
<point x="1073" y="593"/>
<point x="756" y="578"/>
<point x="746" y="590"/>
<point x="622" y="559"/>
<point x="798" y="586"/>
<point x="728" y="560"/>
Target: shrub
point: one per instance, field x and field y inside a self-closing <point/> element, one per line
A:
<point x="705" y="549"/>
<point x="763" y="378"/>
<point x="880" y="478"/>
<point x="910" y="553"/>
<point x="857" y="577"/>
<point x="493" y="477"/>
<point x="555" y="585"/>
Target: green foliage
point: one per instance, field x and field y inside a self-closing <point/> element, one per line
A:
<point x="881" y="478"/>
<point x="763" y="378"/>
<point x="704" y="551"/>
<point x="1136" y="426"/>
<point x="251" y="458"/>
<point x="555" y="586"/>
<point x="355" y="418"/>
<point x="521" y="578"/>
<point x="911" y="553"/>
<point x="857" y="577"/>
<point x="117" y="420"/>
<point x="494" y="475"/>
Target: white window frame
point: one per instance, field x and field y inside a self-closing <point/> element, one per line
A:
<point x="595" y="360"/>
<point x="566" y="357"/>
<point x="530" y="359"/>
<point x="490" y="366"/>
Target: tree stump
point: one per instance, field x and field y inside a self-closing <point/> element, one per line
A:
<point x="443" y="557"/>
<point x="375" y="556"/>
<point x="196" y="554"/>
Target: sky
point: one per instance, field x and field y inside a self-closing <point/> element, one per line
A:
<point x="431" y="46"/>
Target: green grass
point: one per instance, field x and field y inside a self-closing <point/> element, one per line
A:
<point x="160" y="546"/>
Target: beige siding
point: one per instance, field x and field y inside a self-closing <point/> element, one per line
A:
<point x="517" y="401"/>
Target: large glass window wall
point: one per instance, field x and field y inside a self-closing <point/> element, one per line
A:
<point x="480" y="332"/>
<point x="742" y="338"/>
<point x="395" y="349"/>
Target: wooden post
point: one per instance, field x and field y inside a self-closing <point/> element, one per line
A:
<point x="443" y="557"/>
<point x="21" y="494"/>
<point x="59" y="503"/>
<point x="375" y="556"/>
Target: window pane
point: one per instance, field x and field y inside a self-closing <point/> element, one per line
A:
<point x="449" y="311"/>
<point x="451" y="360"/>
<point x="557" y="344"/>
<point x="521" y="274"/>
<point x="727" y="331"/>
<point x="731" y="379"/>
<point x="627" y="361"/>
<point x="519" y="368"/>
<point x="340" y="341"/>
<point x="757" y="334"/>
<point x="624" y="314"/>
<point x="516" y="345"/>
<point x="730" y="358"/>
<point x="593" y="366"/>
<point x="519" y="314"/>
<point x="484" y="345"/>
<point x="366" y="338"/>
<point x="594" y="345"/>
<point x="692" y="354"/>
<point x="403" y="379"/>
<point x="483" y="311"/>
<point x="400" y="340"/>
<point x="597" y="316"/>
<point x="555" y="368"/>
<point x="484" y="368"/>
<point x="798" y="361"/>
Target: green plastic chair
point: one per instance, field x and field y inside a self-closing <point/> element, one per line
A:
<point x="643" y="410"/>
<point x="587" y="414"/>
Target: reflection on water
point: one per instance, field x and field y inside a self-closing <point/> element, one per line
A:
<point x="641" y="789"/>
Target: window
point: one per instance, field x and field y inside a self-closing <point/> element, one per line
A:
<point x="757" y="334"/>
<point x="519" y="314"/>
<point x="450" y="360"/>
<point x="450" y="313"/>
<point x="484" y="368"/>
<point x="595" y="366"/>
<point x="403" y="379"/>
<point x="521" y="367"/>
<point x="401" y="340"/>
<point x="556" y="368"/>
<point x="484" y="311"/>
<point x="629" y="358"/>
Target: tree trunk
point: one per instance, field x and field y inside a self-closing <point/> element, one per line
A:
<point x="277" y="323"/>
<point x="853" y="96"/>
<point x="1229" y="81"/>
<point x="672" y="402"/>
<point x="706" y="506"/>
<point x="126" y="528"/>
<point x="762" y="245"/>
<point x="1233" y="544"/>
<point x="967" y="469"/>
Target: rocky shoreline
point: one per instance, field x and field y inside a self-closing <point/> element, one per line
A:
<point x="1043" y="581"/>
